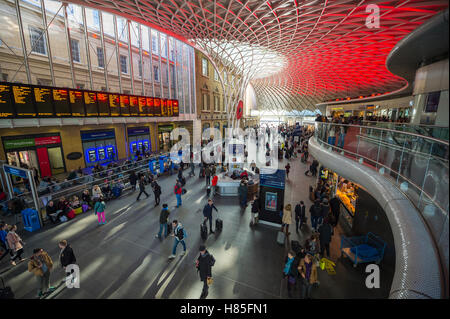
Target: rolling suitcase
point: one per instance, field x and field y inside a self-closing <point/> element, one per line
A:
<point x="169" y="228"/>
<point x="219" y="224"/>
<point x="203" y="231"/>
<point x="281" y="237"/>
<point x="208" y="191"/>
<point x="6" y="292"/>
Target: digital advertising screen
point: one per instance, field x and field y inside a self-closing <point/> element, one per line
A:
<point x="6" y="106"/>
<point x="23" y="100"/>
<point x="150" y="106"/>
<point x="43" y="101"/>
<point x="91" y="155"/>
<point x="134" y="105"/>
<point x="271" y="201"/>
<point x="90" y="101"/>
<point x="124" y="105"/>
<point x="61" y="102"/>
<point x="157" y="106"/>
<point x="77" y="103"/>
<point x="143" y="111"/>
<point x="103" y="104"/>
<point x="114" y="104"/>
<point x="110" y="152"/>
<point x="101" y="153"/>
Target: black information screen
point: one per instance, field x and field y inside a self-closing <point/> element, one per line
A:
<point x="77" y="103"/>
<point x="164" y="111"/>
<point x="24" y="101"/>
<point x="150" y="106"/>
<point x="44" y="101"/>
<point x="103" y="104"/>
<point x="124" y="105"/>
<point x="157" y="107"/>
<point x="114" y="104"/>
<point x="61" y="102"/>
<point x="90" y="101"/>
<point x="101" y="153"/>
<point x="169" y="108"/>
<point x="134" y="106"/>
<point x="6" y="106"/>
<point x="176" y="109"/>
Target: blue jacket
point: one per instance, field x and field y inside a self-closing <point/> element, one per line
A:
<point x="287" y="267"/>
<point x="207" y="210"/>
<point x="3" y="234"/>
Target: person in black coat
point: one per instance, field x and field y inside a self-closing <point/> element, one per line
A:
<point x="133" y="180"/>
<point x="67" y="257"/>
<point x="300" y="215"/>
<point x="156" y="192"/>
<point x="325" y="231"/>
<point x="205" y="262"/>
<point x="207" y="213"/>
<point x="335" y="206"/>
<point x="142" y="188"/>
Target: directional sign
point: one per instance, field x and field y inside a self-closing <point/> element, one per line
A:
<point x="15" y="171"/>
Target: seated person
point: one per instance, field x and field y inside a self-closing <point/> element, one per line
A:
<point x="244" y="174"/>
<point x="96" y="192"/>
<point x="64" y="205"/>
<point x="106" y="190"/>
<point x="52" y="212"/>
<point x="75" y="202"/>
<point x="86" y="198"/>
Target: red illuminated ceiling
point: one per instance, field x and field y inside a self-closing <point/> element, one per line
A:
<point x="330" y="52"/>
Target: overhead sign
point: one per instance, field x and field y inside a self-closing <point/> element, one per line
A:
<point x="15" y="171"/>
<point x="276" y="179"/>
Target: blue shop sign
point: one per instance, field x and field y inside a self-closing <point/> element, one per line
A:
<point x="132" y="131"/>
<point x="270" y="178"/>
<point x="15" y="171"/>
<point x="86" y="136"/>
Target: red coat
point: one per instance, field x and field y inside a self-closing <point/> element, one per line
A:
<point x="214" y="181"/>
<point x="177" y="189"/>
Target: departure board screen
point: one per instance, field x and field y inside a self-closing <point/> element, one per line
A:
<point x="77" y="103"/>
<point x="134" y="105"/>
<point x="90" y="102"/>
<point x="143" y="111"/>
<point x="164" y="111"/>
<point x="169" y="108"/>
<point x="24" y="101"/>
<point x="150" y="106"/>
<point x="103" y="104"/>
<point x="61" y="102"/>
<point x="124" y="105"/>
<point x="43" y="101"/>
<point x="6" y="105"/>
<point x="176" y="108"/>
<point x="157" y="106"/>
<point x="114" y="104"/>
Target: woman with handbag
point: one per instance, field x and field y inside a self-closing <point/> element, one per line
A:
<point x="16" y="244"/>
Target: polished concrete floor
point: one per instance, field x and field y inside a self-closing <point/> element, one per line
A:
<point x="123" y="259"/>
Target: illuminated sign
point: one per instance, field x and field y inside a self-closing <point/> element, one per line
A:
<point x="23" y="100"/>
<point x="61" y="102"/>
<point x="134" y="105"/>
<point x="142" y="106"/>
<point x="124" y="105"/>
<point x="157" y="106"/>
<point x="90" y="101"/>
<point x="76" y="103"/>
<point x="6" y="105"/>
<point x="114" y="104"/>
<point x="44" y="102"/>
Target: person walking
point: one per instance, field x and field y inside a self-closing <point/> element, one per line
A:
<point x="287" y="219"/>
<point x="16" y="244"/>
<point x="242" y="191"/>
<point x="163" y="217"/>
<point x="214" y="181"/>
<point x="325" y="211"/>
<point x="255" y="210"/>
<point x="315" y="212"/>
<point x="288" y="168"/>
<point x="40" y="265"/>
<point x="142" y="188"/>
<point x="66" y="258"/>
<point x="4" y="241"/>
<point x="99" y="209"/>
<point x="192" y="172"/>
<point x="300" y="216"/>
<point x="290" y="271"/>
<point x="133" y="180"/>
<point x="326" y="232"/>
<point x="335" y="206"/>
<point x="308" y="272"/>
<point x="178" y="190"/>
<point x="208" y="175"/>
<point x="204" y="264"/>
<point x="207" y="213"/>
<point x="180" y="235"/>
<point x="156" y="192"/>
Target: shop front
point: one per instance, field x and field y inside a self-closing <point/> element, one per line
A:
<point x="42" y="151"/>
<point x="99" y="146"/>
<point x="164" y="142"/>
<point x="139" y="139"/>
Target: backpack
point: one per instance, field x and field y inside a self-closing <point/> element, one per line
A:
<point x="181" y="234"/>
<point x="212" y="260"/>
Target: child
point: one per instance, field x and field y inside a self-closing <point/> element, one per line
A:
<point x="75" y="203"/>
<point x="99" y="209"/>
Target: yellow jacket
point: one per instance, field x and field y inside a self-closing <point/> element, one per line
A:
<point x="33" y="264"/>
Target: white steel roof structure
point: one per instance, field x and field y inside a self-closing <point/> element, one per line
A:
<point x="295" y="53"/>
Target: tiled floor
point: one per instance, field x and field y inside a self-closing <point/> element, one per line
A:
<point x="123" y="259"/>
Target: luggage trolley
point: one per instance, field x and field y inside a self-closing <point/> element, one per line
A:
<point x="363" y="249"/>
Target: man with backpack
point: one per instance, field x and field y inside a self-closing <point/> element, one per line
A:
<point x="163" y="216"/>
<point x="178" y="190"/>
<point x="204" y="263"/>
<point x="180" y="234"/>
<point x="207" y="213"/>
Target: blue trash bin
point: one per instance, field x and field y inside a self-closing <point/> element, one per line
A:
<point x="30" y="220"/>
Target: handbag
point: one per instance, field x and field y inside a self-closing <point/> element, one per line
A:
<point x="209" y="281"/>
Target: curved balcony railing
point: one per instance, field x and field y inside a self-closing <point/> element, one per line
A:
<point x="439" y="132"/>
<point x="418" y="165"/>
